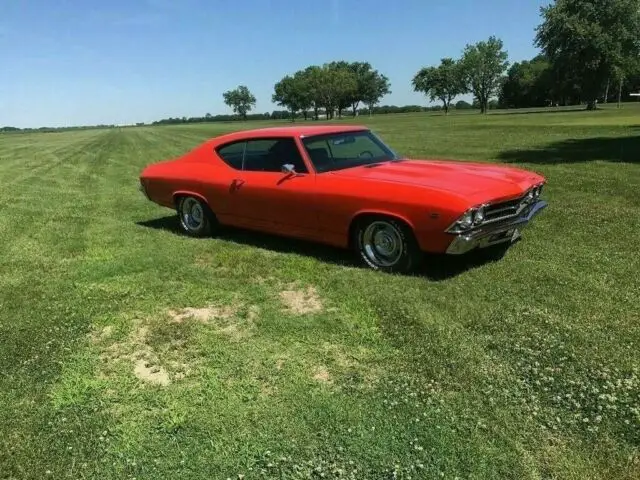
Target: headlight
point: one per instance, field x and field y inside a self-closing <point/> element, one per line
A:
<point x="537" y="191"/>
<point x="469" y="219"/>
<point x="530" y="196"/>
<point x="466" y="220"/>
<point x="478" y="218"/>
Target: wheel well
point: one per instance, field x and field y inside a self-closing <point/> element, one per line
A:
<point x="178" y="195"/>
<point x="360" y="217"/>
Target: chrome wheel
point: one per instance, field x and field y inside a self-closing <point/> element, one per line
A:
<point x="192" y="214"/>
<point x="382" y="243"/>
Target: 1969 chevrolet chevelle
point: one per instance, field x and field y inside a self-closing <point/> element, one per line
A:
<point x="341" y="185"/>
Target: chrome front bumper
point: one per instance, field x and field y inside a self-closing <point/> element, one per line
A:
<point x="488" y="235"/>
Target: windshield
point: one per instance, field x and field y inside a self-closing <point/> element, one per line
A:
<point x="335" y="151"/>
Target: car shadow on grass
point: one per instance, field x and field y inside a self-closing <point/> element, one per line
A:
<point x="435" y="267"/>
<point x="577" y="150"/>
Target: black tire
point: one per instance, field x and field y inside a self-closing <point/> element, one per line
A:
<point x="195" y="217"/>
<point x="386" y="244"/>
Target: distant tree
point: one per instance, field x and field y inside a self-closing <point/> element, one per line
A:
<point x="329" y="86"/>
<point x="346" y="88"/>
<point x="529" y="83"/>
<point x="369" y="82"/>
<point x="443" y="82"/>
<point x="377" y="87"/>
<point x="288" y="94"/>
<point x="591" y="42"/>
<point x="483" y="65"/>
<point x="241" y="100"/>
<point x="462" y="105"/>
<point x="311" y="78"/>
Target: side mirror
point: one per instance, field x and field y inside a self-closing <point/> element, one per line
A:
<point x="288" y="168"/>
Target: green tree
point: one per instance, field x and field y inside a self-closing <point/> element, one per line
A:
<point x="528" y="84"/>
<point x="368" y="81"/>
<point x="444" y="82"/>
<point x="329" y="86"/>
<point x="482" y="67"/>
<point x="344" y="84"/>
<point x="377" y="87"/>
<point x="462" y="105"/>
<point x="594" y="41"/>
<point x="288" y="93"/>
<point x="312" y="81"/>
<point x="241" y="100"/>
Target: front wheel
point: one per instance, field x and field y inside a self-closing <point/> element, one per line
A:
<point x="196" y="219"/>
<point x="387" y="244"/>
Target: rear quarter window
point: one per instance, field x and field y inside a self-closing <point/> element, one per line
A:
<point x="231" y="154"/>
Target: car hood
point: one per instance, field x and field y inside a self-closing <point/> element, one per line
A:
<point x="472" y="181"/>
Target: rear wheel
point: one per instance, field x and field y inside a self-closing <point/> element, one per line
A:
<point x="387" y="244"/>
<point x="196" y="218"/>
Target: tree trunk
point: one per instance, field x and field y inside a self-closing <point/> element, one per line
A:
<point x="304" y="114"/>
<point x="620" y="93"/>
<point x="606" y="92"/>
<point x="315" y="113"/>
<point x="355" y="108"/>
<point x="591" y="104"/>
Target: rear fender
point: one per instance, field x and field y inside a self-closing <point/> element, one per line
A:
<point x="186" y="193"/>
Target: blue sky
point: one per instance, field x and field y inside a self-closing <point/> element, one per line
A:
<point x="70" y="62"/>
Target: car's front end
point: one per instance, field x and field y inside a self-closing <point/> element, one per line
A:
<point x="494" y="223"/>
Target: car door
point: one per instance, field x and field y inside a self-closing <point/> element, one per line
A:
<point x="262" y="196"/>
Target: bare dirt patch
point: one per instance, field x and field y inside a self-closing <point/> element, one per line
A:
<point x="321" y="374"/>
<point x="203" y="315"/>
<point x="300" y="301"/>
<point x="234" y="321"/>
<point x="98" y="336"/>
<point x="157" y="349"/>
<point x="135" y="351"/>
<point x="151" y="373"/>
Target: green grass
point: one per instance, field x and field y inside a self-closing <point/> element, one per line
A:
<point x="524" y="367"/>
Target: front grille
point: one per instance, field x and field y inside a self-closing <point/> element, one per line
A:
<point x="502" y="210"/>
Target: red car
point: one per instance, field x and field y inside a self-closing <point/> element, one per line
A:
<point x="341" y="185"/>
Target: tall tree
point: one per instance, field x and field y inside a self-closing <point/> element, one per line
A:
<point x="367" y="80"/>
<point x="288" y="92"/>
<point x="528" y="84"/>
<point x="376" y="87"/>
<point x="444" y="82"/>
<point x="345" y="89"/>
<point x="594" y="40"/>
<point x="483" y="65"/>
<point x="241" y="100"/>
<point x="312" y="80"/>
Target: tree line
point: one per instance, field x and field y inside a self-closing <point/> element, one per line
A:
<point x="589" y="52"/>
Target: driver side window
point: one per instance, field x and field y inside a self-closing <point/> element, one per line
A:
<point x="270" y="154"/>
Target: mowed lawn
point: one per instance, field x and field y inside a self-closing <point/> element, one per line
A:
<point x="129" y="350"/>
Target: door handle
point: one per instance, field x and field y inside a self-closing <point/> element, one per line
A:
<point x="236" y="183"/>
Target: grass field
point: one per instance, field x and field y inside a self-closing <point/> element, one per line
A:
<point x="128" y="350"/>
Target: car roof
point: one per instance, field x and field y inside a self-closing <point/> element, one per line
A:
<point x="288" y="131"/>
